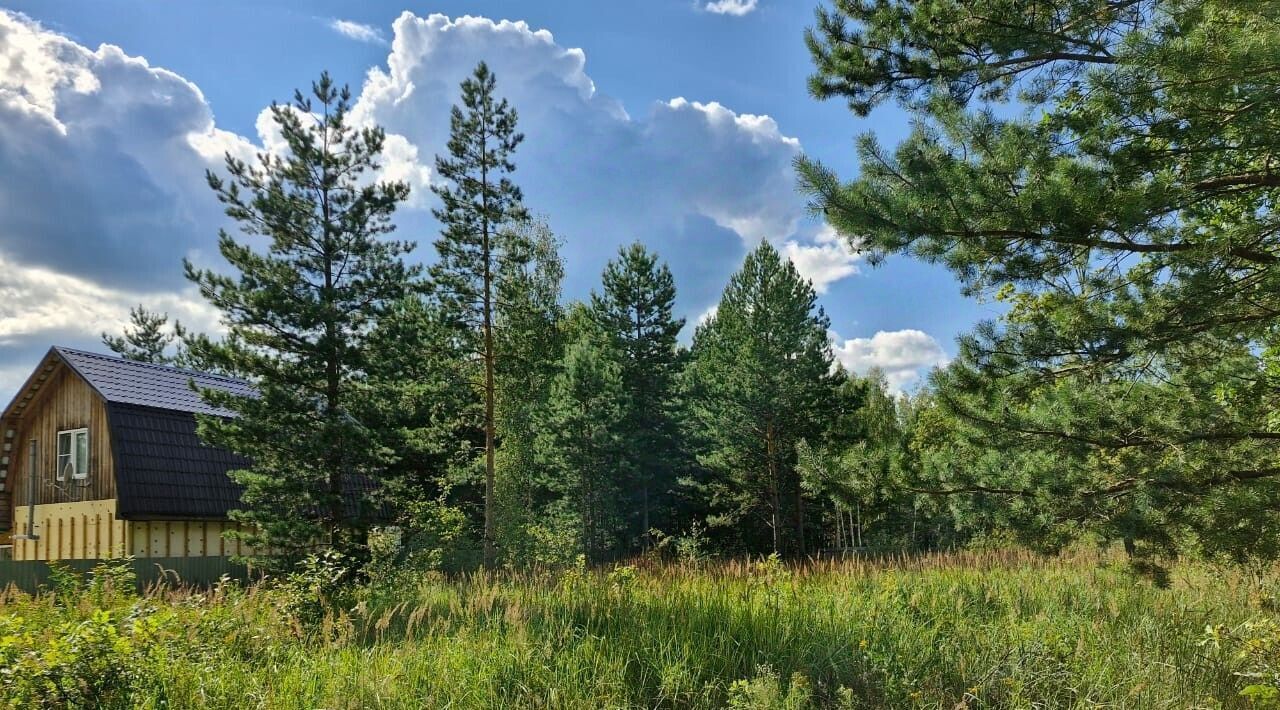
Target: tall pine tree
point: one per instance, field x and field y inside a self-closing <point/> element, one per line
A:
<point x="479" y="204"/>
<point x="299" y="311"/>
<point x="634" y="309"/>
<point x="760" y="378"/>
<point x="1121" y="202"/>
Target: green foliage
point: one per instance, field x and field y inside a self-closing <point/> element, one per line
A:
<point x="766" y="692"/>
<point x="529" y="344"/>
<point x="758" y="382"/>
<point x="145" y="339"/>
<point x="419" y="407"/>
<point x="319" y="586"/>
<point x="482" y="241"/>
<point x="581" y="440"/>
<point x="634" y="309"/>
<point x="1255" y="646"/>
<point x="299" y="314"/>
<point x="85" y="664"/>
<point x="66" y="582"/>
<point x="976" y="630"/>
<point x="1104" y="170"/>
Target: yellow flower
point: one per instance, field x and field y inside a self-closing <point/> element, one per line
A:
<point x="862" y="643"/>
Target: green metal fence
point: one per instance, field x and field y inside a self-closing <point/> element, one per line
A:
<point x="32" y="575"/>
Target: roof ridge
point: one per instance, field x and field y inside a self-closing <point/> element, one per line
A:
<point x="153" y="365"/>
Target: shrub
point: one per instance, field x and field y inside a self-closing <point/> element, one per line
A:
<point x="88" y="664"/>
<point x="766" y="692"/>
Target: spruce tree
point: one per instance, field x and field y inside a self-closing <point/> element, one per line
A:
<point x="761" y="377"/>
<point x="634" y="309"/>
<point x="581" y="440"/>
<point x="299" y="309"/>
<point x="145" y="339"/>
<point x="479" y="204"/>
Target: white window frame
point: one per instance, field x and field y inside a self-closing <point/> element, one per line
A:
<point x="62" y="459"/>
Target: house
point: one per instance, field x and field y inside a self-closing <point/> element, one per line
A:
<point x="101" y="459"/>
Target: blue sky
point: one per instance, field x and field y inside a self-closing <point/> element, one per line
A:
<point x="660" y="121"/>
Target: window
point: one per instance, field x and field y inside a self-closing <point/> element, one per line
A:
<point x="73" y="454"/>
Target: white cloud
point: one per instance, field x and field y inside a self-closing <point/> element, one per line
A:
<point x="102" y="160"/>
<point x="40" y="304"/>
<point x="737" y="8"/>
<point x="357" y="31"/>
<point x="827" y="260"/>
<point x="904" y="356"/>
<point x="689" y="178"/>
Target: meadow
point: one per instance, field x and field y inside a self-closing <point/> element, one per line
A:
<point x="962" y="630"/>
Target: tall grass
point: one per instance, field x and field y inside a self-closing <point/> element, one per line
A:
<point x="961" y="630"/>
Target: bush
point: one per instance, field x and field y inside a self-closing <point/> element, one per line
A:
<point x="765" y="692"/>
<point x="322" y="584"/>
<point x="89" y="664"/>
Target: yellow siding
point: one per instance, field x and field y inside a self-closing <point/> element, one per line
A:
<point x="85" y="530"/>
<point x="90" y="530"/>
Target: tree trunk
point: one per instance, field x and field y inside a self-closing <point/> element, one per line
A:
<point x="644" y="516"/>
<point x="332" y="367"/>
<point x="775" y="493"/>
<point x="490" y="435"/>
<point x="800" y="520"/>
<point x="839" y="528"/>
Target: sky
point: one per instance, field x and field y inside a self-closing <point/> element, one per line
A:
<point x="671" y="122"/>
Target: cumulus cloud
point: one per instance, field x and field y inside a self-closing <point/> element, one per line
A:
<point x="696" y="180"/>
<point x="736" y="8"/>
<point x="38" y="303"/>
<point x="904" y="356"/>
<point x="357" y="31"/>
<point x="102" y="161"/>
<point x="102" y="158"/>
<point x="827" y="260"/>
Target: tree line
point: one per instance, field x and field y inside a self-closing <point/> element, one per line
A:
<point x="1104" y="170"/>
<point x="469" y="406"/>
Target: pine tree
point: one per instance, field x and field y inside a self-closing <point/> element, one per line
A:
<point x="1121" y="202"/>
<point x="299" y="311"/>
<point x="145" y="339"/>
<point x="760" y="380"/>
<point x="479" y="204"/>
<point x="582" y="442"/>
<point x="634" y="309"/>
<point x="419" y="405"/>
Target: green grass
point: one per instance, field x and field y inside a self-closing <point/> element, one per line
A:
<point x="970" y="630"/>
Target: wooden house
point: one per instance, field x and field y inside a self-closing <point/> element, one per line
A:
<point x="101" y="459"/>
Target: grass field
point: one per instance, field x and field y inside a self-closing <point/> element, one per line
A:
<point x="976" y="630"/>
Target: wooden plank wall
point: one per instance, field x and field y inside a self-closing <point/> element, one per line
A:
<point x="64" y="401"/>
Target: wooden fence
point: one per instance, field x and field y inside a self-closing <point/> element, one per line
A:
<point x="33" y="575"/>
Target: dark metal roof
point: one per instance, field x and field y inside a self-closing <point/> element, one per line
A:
<point x="124" y="381"/>
<point x="163" y="470"/>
